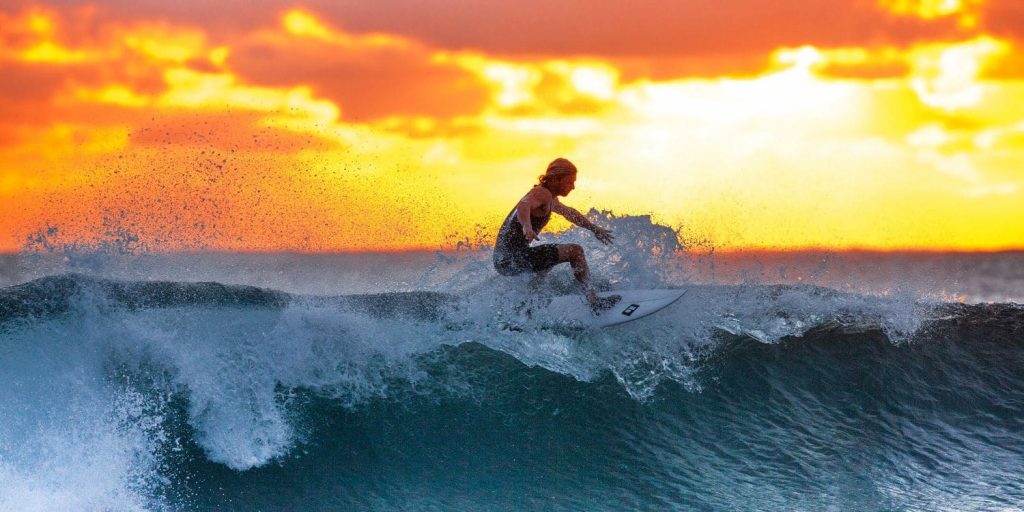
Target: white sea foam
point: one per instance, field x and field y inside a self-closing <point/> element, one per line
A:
<point x="71" y="439"/>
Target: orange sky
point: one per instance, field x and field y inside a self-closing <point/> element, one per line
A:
<point x="355" y="125"/>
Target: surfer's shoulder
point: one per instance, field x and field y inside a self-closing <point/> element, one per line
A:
<point x="540" y="194"/>
<point x="536" y="196"/>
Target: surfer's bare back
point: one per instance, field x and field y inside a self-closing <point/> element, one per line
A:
<point x="513" y="253"/>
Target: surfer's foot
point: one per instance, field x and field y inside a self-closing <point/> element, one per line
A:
<point x="599" y="304"/>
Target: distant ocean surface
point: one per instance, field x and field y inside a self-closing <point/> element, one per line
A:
<point x="274" y="382"/>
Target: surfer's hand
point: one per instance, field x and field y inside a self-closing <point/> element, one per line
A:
<point x="530" y="235"/>
<point x="602" y="234"/>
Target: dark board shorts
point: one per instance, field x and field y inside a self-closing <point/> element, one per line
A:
<point x="536" y="258"/>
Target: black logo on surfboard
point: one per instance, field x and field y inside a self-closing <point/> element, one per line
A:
<point x="629" y="311"/>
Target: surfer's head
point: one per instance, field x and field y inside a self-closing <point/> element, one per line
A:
<point x="560" y="177"/>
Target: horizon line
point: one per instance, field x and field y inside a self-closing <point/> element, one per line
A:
<point x="450" y="250"/>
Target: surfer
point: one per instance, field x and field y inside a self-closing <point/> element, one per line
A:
<point x="513" y="253"/>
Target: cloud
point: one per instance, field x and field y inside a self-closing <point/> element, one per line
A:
<point x="864" y="64"/>
<point x="637" y="28"/>
<point x="367" y="81"/>
<point x="1004" y="18"/>
<point x="369" y="77"/>
<point x="944" y="65"/>
<point x="22" y="91"/>
<point x="58" y="68"/>
<point x="572" y="28"/>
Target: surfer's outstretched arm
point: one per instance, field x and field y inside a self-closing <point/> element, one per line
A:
<point x="577" y="218"/>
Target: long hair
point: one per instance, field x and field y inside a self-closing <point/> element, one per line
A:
<point x="557" y="168"/>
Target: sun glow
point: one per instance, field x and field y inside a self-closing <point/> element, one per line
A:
<point x="189" y="89"/>
<point x="965" y="10"/>
<point x="301" y="23"/>
<point x="116" y="94"/>
<point x="293" y="133"/>
<point x="304" y="24"/>
<point x="947" y="76"/>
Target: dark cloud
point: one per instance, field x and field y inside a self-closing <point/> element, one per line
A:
<point x="225" y="18"/>
<point x="619" y="29"/>
<point x="25" y="96"/>
<point x="633" y="28"/>
<point x="366" y="82"/>
<point x="1004" y="18"/>
<point x="29" y="84"/>
<point x="36" y="95"/>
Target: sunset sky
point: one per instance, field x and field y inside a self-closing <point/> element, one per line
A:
<point x="336" y="125"/>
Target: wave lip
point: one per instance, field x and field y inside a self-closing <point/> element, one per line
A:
<point x="52" y="295"/>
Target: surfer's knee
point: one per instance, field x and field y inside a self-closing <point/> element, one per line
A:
<point x="571" y="252"/>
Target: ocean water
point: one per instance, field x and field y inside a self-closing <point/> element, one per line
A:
<point x="802" y="381"/>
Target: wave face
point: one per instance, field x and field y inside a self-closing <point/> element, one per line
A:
<point x="177" y="396"/>
<point x="128" y="393"/>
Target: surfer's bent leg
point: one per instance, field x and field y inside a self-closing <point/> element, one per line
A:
<point x="573" y="253"/>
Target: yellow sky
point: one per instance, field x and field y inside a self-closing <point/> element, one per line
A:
<point x="293" y="132"/>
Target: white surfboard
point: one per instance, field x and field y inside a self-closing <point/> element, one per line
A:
<point x="635" y="304"/>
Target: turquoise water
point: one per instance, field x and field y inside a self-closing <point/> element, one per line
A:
<point x="131" y="395"/>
